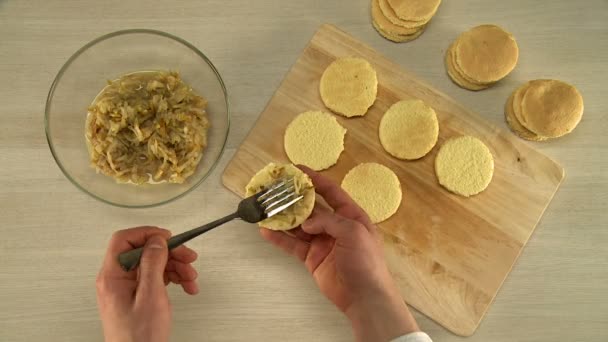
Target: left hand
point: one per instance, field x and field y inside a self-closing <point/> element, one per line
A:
<point x="134" y="306"/>
<point x="341" y="250"/>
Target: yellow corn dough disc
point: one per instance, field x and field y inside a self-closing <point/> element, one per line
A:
<point x="386" y="25"/>
<point x="518" y="96"/>
<point x="390" y="15"/>
<point x="395" y="37"/>
<point x="551" y="108"/>
<point x="513" y="112"/>
<point x="461" y="73"/>
<point x="456" y="77"/>
<point x="349" y="86"/>
<point x="375" y="188"/>
<point x="409" y="129"/>
<point x="314" y="139"/>
<point x="464" y="166"/>
<point x="486" y="53"/>
<point x="515" y="125"/>
<point x="297" y="213"/>
<point x="415" y="10"/>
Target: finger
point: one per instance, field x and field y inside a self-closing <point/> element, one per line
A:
<point x="170" y="266"/>
<point x="152" y="267"/>
<point x="190" y="287"/>
<point x="183" y="254"/>
<point x="173" y="277"/>
<point x="301" y="235"/>
<point x="318" y="252"/>
<point x="289" y="244"/>
<point x="320" y="209"/>
<point x="336" y="197"/>
<point x="342" y="229"/>
<point x="185" y="271"/>
<point x="123" y="241"/>
<point x="128" y="239"/>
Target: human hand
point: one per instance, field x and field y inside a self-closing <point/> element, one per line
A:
<point x="341" y="250"/>
<point x="134" y="306"/>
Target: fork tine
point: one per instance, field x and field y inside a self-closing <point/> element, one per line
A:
<point x="278" y="197"/>
<point x="279" y="192"/>
<point x="265" y="193"/>
<point x="283" y="207"/>
<point x="280" y="200"/>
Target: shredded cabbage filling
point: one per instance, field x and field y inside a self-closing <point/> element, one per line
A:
<point x="147" y="127"/>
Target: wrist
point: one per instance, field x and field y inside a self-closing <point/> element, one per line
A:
<point x="381" y="317"/>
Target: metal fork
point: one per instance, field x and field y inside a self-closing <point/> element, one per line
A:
<point x="266" y="203"/>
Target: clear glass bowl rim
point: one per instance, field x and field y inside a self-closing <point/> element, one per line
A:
<point x="72" y="58"/>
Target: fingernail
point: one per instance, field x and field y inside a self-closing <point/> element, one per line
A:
<point x="156" y="242"/>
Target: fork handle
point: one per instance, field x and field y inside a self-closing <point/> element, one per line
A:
<point x="129" y="260"/>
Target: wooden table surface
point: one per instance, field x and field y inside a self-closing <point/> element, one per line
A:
<point x="54" y="236"/>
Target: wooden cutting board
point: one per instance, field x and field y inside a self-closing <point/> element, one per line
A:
<point x="448" y="254"/>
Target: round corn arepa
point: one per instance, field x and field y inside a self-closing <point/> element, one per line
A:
<point x="314" y="139"/>
<point x="518" y="96"/>
<point x="456" y="76"/>
<point x="297" y="213"/>
<point x="389" y="13"/>
<point x="395" y="37"/>
<point x="349" y="86"/>
<point x="415" y="10"/>
<point x="515" y="125"/>
<point x="409" y="129"/>
<point x="386" y="25"/>
<point x="515" y="110"/>
<point x="464" y="166"/>
<point x="551" y="108"/>
<point x="461" y="73"/>
<point x="375" y="188"/>
<point x="486" y="53"/>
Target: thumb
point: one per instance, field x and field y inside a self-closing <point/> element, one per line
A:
<point x="325" y="221"/>
<point x="152" y="265"/>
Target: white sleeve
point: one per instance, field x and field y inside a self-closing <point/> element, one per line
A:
<point x="414" y="337"/>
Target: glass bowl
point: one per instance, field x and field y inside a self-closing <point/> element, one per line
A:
<point x="86" y="73"/>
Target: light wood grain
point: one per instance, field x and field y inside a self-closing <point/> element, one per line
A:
<point x="54" y="236"/>
<point x="448" y="254"/>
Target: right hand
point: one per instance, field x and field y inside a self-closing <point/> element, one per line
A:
<point x="341" y="250"/>
<point x="134" y="305"/>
